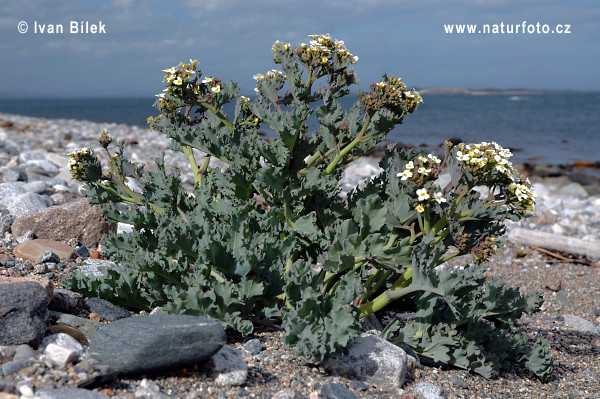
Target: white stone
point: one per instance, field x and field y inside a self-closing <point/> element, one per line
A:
<point x="60" y="356"/>
<point x="63" y="340"/>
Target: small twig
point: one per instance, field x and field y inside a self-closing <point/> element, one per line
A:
<point x="565" y="259"/>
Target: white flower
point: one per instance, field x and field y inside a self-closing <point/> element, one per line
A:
<point x="434" y="158"/>
<point x="380" y="84"/>
<point x="207" y="80"/>
<point x="244" y="98"/>
<point x="501" y="168"/>
<point x="419" y="208"/>
<point x="161" y="95"/>
<point x="171" y="70"/>
<point x="177" y="82"/>
<point x="410" y="165"/>
<point x="258" y="77"/>
<point x="355" y="59"/>
<point x="215" y="89"/>
<point x="405" y="175"/>
<point x="424" y="171"/>
<point x="422" y="158"/>
<point x="256" y="90"/>
<point x="422" y="194"/>
<point x="438" y="197"/>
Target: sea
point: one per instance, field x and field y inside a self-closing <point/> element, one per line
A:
<point x="546" y="129"/>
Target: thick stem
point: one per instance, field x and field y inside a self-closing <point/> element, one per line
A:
<point x="189" y="153"/>
<point x="384" y="299"/>
<point x="348" y="148"/>
<point x="219" y="115"/>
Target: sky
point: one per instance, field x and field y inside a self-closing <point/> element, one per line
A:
<point x="232" y="39"/>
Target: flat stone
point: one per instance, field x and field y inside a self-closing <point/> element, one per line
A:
<point x="86" y="326"/>
<point x="151" y="343"/>
<point x="42" y="167"/>
<point x="336" y="391"/>
<point x="105" y="309"/>
<point x="28" y="155"/>
<point x="36" y="187"/>
<point x="43" y="281"/>
<point x="28" y="203"/>
<point x="69" y="393"/>
<point x="579" y="324"/>
<point x="77" y="219"/>
<point x="428" y="390"/>
<point x="372" y="360"/>
<point x="14" y="366"/>
<point x="33" y="249"/>
<point x="229" y="366"/>
<point x="23" y="311"/>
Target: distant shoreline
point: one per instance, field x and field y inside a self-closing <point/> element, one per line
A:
<point x="484" y="92"/>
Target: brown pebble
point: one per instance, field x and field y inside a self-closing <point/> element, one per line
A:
<point x="107" y="391"/>
<point x="95" y="317"/>
<point x="96" y="255"/>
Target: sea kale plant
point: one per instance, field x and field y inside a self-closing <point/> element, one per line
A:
<point x="269" y="241"/>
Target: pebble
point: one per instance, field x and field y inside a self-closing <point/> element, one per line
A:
<point x="427" y="390"/>
<point x="229" y="367"/>
<point x="331" y="390"/>
<point x="252" y="347"/>
<point x="60" y="356"/>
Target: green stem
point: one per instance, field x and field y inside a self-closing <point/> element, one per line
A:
<point x="219" y="115"/>
<point x="391" y="241"/>
<point x="377" y="286"/>
<point x="348" y="148"/>
<point x="203" y="169"/>
<point x="189" y="153"/>
<point x="426" y="221"/>
<point x="384" y="299"/>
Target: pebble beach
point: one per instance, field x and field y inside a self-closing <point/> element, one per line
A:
<point x="35" y="180"/>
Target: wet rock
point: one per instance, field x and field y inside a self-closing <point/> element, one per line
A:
<point x="372" y="360"/>
<point x="149" y="343"/>
<point x="23" y="313"/>
<point x="34" y="249"/>
<point x="77" y="219"/>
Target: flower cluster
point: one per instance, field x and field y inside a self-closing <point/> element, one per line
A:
<point x="483" y="251"/>
<point x="247" y="117"/>
<point x="104" y="140"/>
<point x="391" y="93"/>
<point x="275" y="76"/>
<point x="183" y="82"/>
<point x="522" y="197"/>
<point x="321" y="50"/>
<point x="85" y="166"/>
<point x="421" y="169"/>
<point x="487" y="162"/>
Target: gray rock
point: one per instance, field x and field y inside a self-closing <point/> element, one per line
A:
<point x="427" y="390"/>
<point x="14" y="366"/>
<point x="372" y="360"/>
<point x="36" y="187"/>
<point x="64" y="341"/>
<point x="28" y="203"/>
<point x="579" y="324"/>
<point x="575" y="190"/>
<point x="42" y="167"/>
<point x="229" y="367"/>
<point x="6" y="221"/>
<point x="150" y="343"/>
<point x="358" y="385"/>
<point x="69" y="393"/>
<point x="13" y="175"/>
<point x="456" y="380"/>
<point x="24" y="352"/>
<point x="66" y="301"/>
<point x="252" y="347"/>
<point x="48" y="257"/>
<point x="23" y="311"/>
<point x="92" y="266"/>
<point x="10" y="191"/>
<point x="336" y="391"/>
<point x="106" y="310"/>
<point x="82" y="251"/>
<point x="29" y="155"/>
<point x="86" y="326"/>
